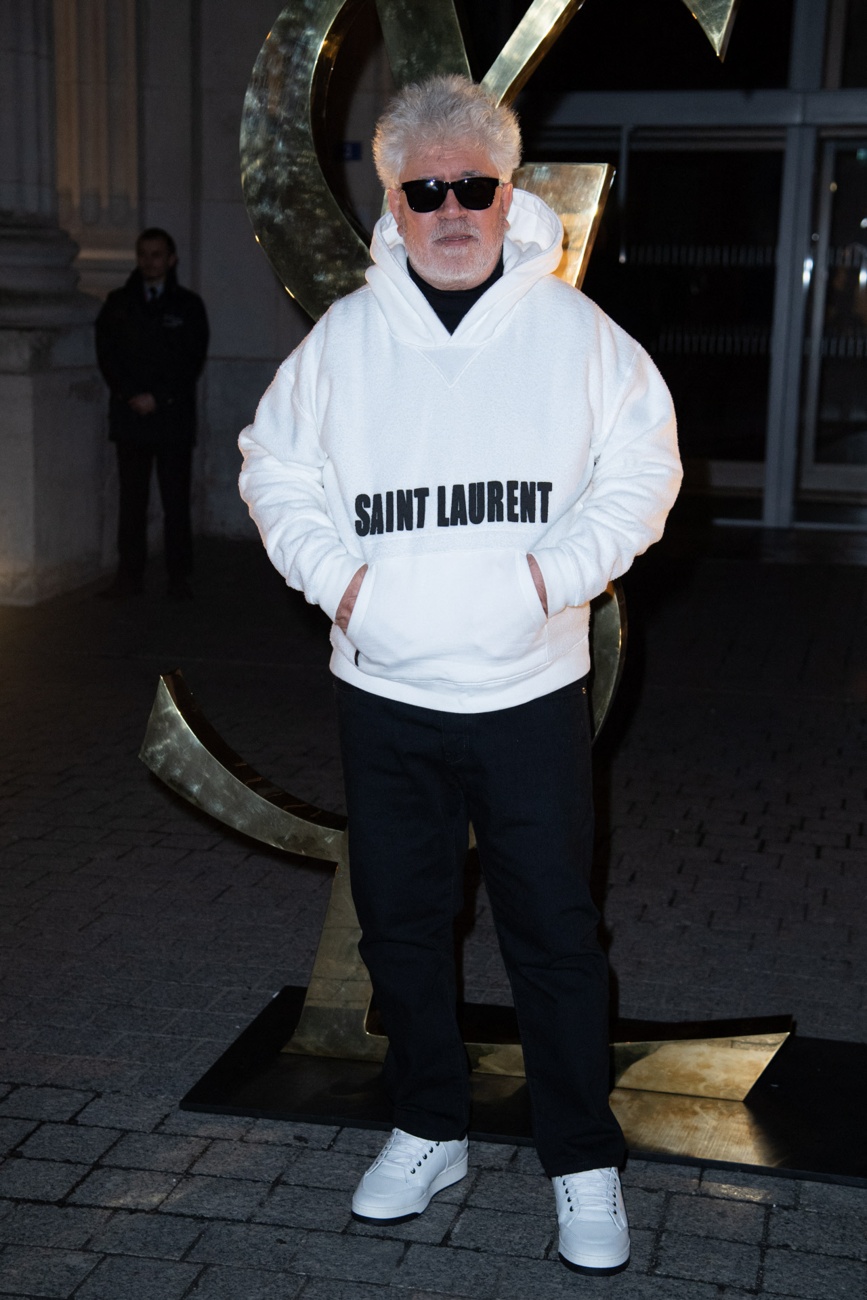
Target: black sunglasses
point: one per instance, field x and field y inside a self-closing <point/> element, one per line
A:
<point x="472" y="192"/>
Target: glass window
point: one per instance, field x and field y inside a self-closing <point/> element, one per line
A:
<point x="854" y="50"/>
<point x="654" y="45"/>
<point x="835" y="407"/>
<point x="688" y="270"/>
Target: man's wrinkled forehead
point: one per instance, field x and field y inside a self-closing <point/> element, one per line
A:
<point x="447" y="159"/>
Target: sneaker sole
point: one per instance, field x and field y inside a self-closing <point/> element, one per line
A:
<point x="447" y="1178"/>
<point x="593" y="1270"/>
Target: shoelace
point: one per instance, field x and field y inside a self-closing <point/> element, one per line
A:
<point x="404" y="1149"/>
<point x="594" y="1193"/>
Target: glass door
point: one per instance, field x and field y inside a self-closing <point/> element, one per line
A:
<point x="686" y="263"/>
<point x="834" y="423"/>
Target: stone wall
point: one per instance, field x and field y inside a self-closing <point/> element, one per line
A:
<point x="125" y="116"/>
<point x="54" y="511"/>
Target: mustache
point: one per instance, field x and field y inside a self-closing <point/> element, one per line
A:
<point x="448" y="229"/>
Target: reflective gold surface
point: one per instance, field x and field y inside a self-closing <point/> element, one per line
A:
<point x="184" y="751"/>
<point x="577" y="193"/>
<point x="724" y="1067"/>
<point x="333" y="1019"/>
<point x="310" y="241"/>
<point x="699" y="1127"/>
<point x="607" y="650"/>
<point x="717" y="18"/>
<point x="527" y="46"/>
<point x="422" y="40"/>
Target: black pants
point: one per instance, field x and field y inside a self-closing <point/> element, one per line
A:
<point x="414" y="777"/>
<point x="134" y="464"/>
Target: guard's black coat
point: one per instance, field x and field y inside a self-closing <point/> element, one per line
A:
<point x="154" y="347"/>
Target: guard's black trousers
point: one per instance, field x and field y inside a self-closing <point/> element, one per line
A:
<point x="135" y="463"/>
<point x="414" y="777"/>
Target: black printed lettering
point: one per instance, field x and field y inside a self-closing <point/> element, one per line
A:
<point x="512" y="501"/>
<point x="404" y="510"/>
<point x="362" y="523"/>
<point x="477" y="503"/>
<point x="545" y="490"/>
<point x="495" y="502"/>
<point x="459" y="505"/>
<point x="442" y="517"/>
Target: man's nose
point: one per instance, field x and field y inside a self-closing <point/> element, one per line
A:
<point x="451" y="207"/>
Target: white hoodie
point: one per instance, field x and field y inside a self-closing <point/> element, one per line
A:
<point x="441" y="461"/>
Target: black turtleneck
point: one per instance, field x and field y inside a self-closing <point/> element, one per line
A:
<point x="452" y="305"/>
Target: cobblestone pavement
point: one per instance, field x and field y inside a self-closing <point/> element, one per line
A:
<point x="139" y="938"/>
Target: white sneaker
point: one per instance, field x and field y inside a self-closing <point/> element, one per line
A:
<point x="594" y="1232"/>
<point x="405" y="1175"/>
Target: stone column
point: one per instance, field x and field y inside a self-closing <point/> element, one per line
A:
<point x="51" y="397"/>
<point x="97" y="135"/>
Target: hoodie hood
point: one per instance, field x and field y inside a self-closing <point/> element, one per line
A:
<point x="532" y="248"/>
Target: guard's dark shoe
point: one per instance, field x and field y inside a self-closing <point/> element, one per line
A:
<point x="594" y="1233"/>
<point x="405" y="1175"/>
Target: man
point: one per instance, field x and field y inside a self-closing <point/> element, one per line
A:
<point x="151" y="343"/>
<point x="454" y="462"/>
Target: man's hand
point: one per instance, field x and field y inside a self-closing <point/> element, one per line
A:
<point x="538" y="581"/>
<point x="348" y="599"/>
<point x="143" y="403"/>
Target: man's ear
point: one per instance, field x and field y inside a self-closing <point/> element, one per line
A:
<point x="393" y="197"/>
<point x="506" y="200"/>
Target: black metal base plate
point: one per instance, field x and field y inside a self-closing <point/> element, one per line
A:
<point x="808" y="1104"/>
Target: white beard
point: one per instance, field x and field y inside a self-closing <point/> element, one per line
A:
<point x="456" y="267"/>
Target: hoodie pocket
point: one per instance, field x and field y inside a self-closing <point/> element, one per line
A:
<point x="469" y="618"/>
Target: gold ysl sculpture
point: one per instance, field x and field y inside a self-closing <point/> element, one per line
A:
<point x="319" y="256"/>
<point x="310" y="241"/>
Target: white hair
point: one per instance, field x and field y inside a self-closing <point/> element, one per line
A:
<point x="444" y="110"/>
